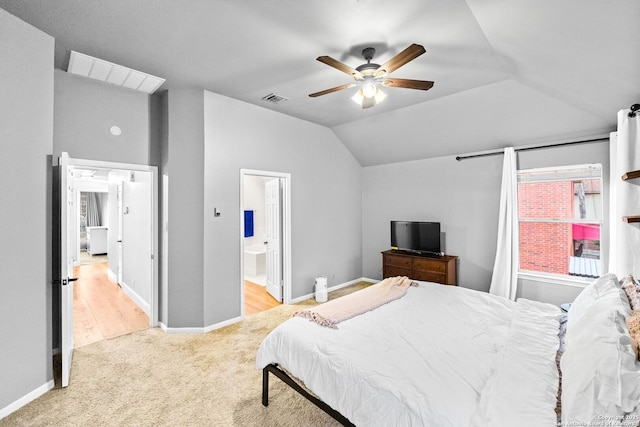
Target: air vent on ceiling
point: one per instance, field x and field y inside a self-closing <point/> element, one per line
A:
<point x="274" y="99"/>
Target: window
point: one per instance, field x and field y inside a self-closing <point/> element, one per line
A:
<point x="560" y="214"/>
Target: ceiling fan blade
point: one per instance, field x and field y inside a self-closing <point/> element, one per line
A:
<point x="333" y="89"/>
<point x="340" y="66"/>
<point x="408" y="83"/>
<point x="409" y="54"/>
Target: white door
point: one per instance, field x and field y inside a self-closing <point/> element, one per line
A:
<point x="67" y="211"/>
<point x="273" y="199"/>
<point x="119" y="197"/>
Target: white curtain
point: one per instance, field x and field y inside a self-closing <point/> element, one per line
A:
<point x="624" y="197"/>
<point x="505" y="269"/>
<point x="93" y="210"/>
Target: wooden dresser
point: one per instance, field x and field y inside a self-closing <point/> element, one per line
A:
<point x="439" y="269"/>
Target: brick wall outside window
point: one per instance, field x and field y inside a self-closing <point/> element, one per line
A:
<point x="546" y="246"/>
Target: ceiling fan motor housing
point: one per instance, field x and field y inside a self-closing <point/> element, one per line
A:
<point x="368" y="68"/>
<point x="367" y="53"/>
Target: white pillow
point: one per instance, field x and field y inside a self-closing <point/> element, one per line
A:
<point x="604" y="290"/>
<point x="600" y="373"/>
<point x="590" y="294"/>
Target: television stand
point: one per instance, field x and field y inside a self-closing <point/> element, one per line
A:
<point x="427" y="267"/>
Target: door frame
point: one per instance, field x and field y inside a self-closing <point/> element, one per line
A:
<point x="99" y="164"/>
<point x="285" y="213"/>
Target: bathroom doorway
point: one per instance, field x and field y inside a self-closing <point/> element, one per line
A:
<point x="255" y="254"/>
<point x="265" y="240"/>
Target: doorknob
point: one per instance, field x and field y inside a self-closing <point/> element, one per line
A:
<point x="68" y="279"/>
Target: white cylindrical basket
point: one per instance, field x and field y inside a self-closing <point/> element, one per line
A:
<point x="321" y="289"/>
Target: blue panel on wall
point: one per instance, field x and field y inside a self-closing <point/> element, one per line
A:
<point x="248" y="223"/>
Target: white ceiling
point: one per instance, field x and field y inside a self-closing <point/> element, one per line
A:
<point x="506" y="72"/>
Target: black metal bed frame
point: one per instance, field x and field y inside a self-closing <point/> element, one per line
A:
<point x="275" y="370"/>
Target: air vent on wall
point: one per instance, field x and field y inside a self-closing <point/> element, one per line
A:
<point x="274" y="99"/>
<point x="88" y="66"/>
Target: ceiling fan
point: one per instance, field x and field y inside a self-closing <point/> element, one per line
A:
<point x="370" y="76"/>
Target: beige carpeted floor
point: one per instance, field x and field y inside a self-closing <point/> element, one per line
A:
<point x="150" y="378"/>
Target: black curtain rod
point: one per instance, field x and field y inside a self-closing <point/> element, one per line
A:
<point x="559" y="144"/>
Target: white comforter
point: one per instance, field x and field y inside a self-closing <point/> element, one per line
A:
<point x="440" y="356"/>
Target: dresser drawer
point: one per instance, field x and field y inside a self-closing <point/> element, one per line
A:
<point x="392" y="271"/>
<point x="397" y="261"/>
<point x="424" y="264"/>
<point x="430" y="276"/>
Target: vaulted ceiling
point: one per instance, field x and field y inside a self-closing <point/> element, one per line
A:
<point x="506" y="72"/>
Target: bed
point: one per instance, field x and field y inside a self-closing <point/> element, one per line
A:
<point x="451" y="356"/>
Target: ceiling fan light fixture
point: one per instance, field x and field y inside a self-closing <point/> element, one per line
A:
<point x="380" y="96"/>
<point x="368" y="102"/>
<point x="358" y="97"/>
<point x="369" y="88"/>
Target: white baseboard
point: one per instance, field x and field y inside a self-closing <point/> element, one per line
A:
<point x="334" y="288"/>
<point x="112" y="275"/>
<point x="199" y="330"/>
<point x="144" y="305"/>
<point x="29" y="397"/>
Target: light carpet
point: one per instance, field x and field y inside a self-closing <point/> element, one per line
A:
<point x="151" y="378"/>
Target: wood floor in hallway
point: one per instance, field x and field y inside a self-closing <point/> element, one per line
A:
<point x="257" y="299"/>
<point x="101" y="309"/>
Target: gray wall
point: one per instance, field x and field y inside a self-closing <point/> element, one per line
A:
<point x="26" y="132"/>
<point x="85" y="110"/>
<point x="209" y="139"/>
<point x="183" y="162"/>
<point x="325" y="192"/>
<point x="463" y="196"/>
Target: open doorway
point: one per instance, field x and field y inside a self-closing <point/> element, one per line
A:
<point x="265" y="240"/>
<point x="101" y="309"/>
<point x="113" y="241"/>
<point x="142" y="250"/>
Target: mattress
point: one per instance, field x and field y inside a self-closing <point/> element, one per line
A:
<point x="439" y="356"/>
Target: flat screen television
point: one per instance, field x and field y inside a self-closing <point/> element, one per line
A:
<point x="416" y="236"/>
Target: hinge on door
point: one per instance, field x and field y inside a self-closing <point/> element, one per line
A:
<point x="152" y="256"/>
